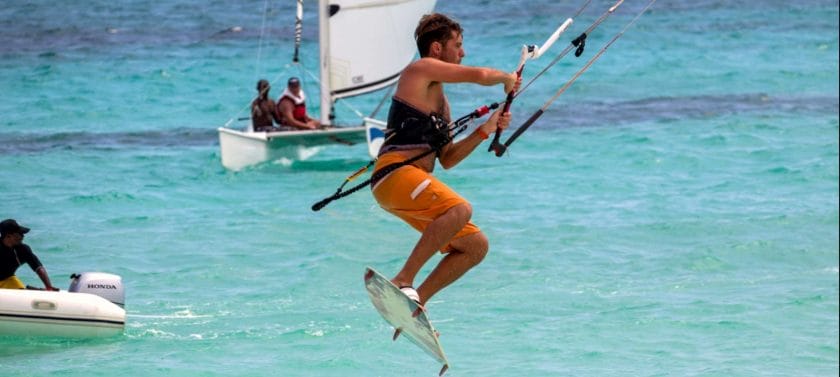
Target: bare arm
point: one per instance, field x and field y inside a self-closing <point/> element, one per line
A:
<point x="42" y="273"/>
<point x="255" y="109"/>
<point x="441" y="71"/>
<point x="419" y="79"/>
<point x="454" y="153"/>
<point x="275" y="113"/>
<point x="314" y="123"/>
<point x="286" y="112"/>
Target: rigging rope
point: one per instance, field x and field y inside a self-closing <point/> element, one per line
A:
<point x="577" y="43"/>
<point x="588" y="64"/>
<point x="262" y="34"/>
<point x="531" y="52"/>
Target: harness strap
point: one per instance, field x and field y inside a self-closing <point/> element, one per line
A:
<point x="456" y="128"/>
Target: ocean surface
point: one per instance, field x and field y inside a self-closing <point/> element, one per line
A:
<point x="674" y="213"/>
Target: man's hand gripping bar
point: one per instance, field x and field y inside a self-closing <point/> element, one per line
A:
<point x="528" y="52"/>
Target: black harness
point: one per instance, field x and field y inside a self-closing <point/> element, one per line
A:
<point x="422" y="129"/>
<point x="410" y="127"/>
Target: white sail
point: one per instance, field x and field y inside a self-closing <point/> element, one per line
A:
<point x="370" y="42"/>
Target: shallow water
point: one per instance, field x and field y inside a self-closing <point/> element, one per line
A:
<point x="675" y="212"/>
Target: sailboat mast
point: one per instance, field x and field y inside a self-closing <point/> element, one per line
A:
<point x="298" y="29"/>
<point x="324" y="60"/>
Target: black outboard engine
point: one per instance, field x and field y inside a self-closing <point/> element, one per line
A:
<point x="105" y="285"/>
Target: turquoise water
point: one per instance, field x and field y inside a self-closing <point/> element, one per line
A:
<point x="674" y="213"/>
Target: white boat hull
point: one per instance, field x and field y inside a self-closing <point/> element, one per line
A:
<point x="240" y="149"/>
<point x="59" y="314"/>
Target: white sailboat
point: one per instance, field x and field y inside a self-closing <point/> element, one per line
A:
<point x="363" y="47"/>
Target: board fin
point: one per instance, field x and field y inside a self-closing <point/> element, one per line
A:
<point x="407" y="317"/>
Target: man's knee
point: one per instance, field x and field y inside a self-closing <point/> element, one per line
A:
<point x="463" y="212"/>
<point x="481" y="248"/>
<point x="473" y="246"/>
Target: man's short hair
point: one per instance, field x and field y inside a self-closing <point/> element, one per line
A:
<point x="262" y="84"/>
<point x="432" y="28"/>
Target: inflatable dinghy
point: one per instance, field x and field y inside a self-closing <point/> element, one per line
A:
<point x="91" y="307"/>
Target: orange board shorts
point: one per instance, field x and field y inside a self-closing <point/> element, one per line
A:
<point x="416" y="196"/>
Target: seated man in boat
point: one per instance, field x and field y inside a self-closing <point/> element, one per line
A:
<point x="263" y="114"/>
<point x="291" y="107"/>
<point x="14" y="253"/>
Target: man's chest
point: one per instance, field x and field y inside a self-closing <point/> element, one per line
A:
<point x="8" y="257"/>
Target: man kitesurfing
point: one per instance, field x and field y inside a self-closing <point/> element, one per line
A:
<point x="417" y="123"/>
<point x="419" y="132"/>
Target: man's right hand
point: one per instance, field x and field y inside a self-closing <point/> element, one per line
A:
<point x="512" y="82"/>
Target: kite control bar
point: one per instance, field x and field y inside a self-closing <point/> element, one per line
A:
<point x="528" y="52"/>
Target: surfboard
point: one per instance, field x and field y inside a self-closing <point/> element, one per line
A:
<point x="406" y="316"/>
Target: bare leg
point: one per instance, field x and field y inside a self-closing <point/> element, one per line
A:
<point x="469" y="251"/>
<point x="436" y="236"/>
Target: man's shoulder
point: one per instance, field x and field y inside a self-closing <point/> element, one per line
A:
<point x="20" y="249"/>
<point x="418" y="64"/>
<point x="285" y="100"/>
<point x="431" y="63"/>
<point x="260" y="101"/>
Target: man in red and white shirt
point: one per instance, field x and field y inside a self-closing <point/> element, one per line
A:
<point x="291" y="106"/>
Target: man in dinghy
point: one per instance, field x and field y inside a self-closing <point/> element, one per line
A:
<point x="418" y="116"/>
<point x="263" y="114"/>
<point x="291" y="107"/>
<point x="14" y="253"/>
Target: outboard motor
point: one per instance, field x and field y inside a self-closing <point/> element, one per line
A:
<point x="107" y="286"/>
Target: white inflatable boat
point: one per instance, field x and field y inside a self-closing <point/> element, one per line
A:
<point x="92" y="307"/>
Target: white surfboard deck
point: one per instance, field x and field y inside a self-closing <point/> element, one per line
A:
<point x="405" y="315"/>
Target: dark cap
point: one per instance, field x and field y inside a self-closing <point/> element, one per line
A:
<point x="10" y="226"/>
<point x="294" y="81"/>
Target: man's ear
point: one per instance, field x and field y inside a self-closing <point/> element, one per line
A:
<point x="435" y="49"/>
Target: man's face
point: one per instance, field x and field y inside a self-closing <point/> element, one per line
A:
<point x="453" y="49"/>
<point x="16" y="238"/>
<point x="295" y="89"/>
<point x="263" y="87"/>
